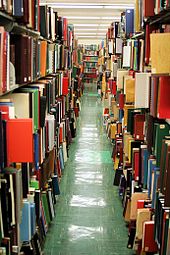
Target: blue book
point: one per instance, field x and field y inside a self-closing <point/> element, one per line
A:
<point x="33" y="219"/>
<point x="151" y="166"/>
<point x="55" y="185"/>
<point x="18" y="8"/>
<point x="155" y="175"/>
<point x="129" y="15"/>
<point x="121" y="114"/>
<point x="25" y="226"/>
<point x="61" y="158"/>
<point x="145" y="165"/>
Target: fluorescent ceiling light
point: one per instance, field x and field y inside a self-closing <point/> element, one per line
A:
<point x="75" y="6"/>
<point x="89" y="5"/>
<point x="90" y="36"/>
<point x="92" y="25"/>
<point x="81" y="17"/>
<point x="111" y="18"/>
<point x="118" y="7"/>
<point x="90" y="29"/>
<point x="95" y="18"/>
<point x="104" y="25"/>
<point x="90" y="33"/>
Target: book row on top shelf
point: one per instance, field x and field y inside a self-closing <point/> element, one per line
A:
<point x="136" y="117"/>
<point x="40" y="94"/>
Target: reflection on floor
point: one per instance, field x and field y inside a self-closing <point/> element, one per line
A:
<point x="88" y="212"/>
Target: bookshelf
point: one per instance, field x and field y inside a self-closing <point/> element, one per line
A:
<point x="90" y="61"/>
<point x="38" y="96"/>
<point x="136" y="117"/>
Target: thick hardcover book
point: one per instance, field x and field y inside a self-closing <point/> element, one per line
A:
<point x="21" y="53"/>
<point x="148" y="242"/>
<point x="20" y="136"/>
<point x="159" y="51"/>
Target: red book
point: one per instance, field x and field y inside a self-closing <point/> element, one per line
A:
<point x="20" y="140"/>
<point x="121" y="101"/>
<point x="4" y="109"/>
<point x="136" y="164"/>
<point x="148" y="242"/>
<point x="163" y="108"/>
<point x="65" y="29"/>
<point x="61" y="135"/>
<point x="140" y="204"/>
<point x="139" y="120"/>
<point x="148" y="8"/>
<point x="65" y="86"/>
<point x="4" y="79"/>
<point x="147" y="44"/>
<point x="114" y="88"/>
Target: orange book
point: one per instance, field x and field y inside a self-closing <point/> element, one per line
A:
<point x="20" y="140"/>
<point x="43" y="58"/>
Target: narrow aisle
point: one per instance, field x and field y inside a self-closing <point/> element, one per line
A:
<point x="88" y="213"/>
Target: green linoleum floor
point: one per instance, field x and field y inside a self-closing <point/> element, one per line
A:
<point x="88" y="212"/>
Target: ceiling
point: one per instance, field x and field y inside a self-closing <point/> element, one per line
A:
<point x="90" y="18"/>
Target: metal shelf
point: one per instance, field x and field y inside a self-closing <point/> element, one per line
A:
<point x="162" y="18"/>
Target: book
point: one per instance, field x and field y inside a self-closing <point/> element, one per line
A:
<point x="159" y="51"/>
<point x="142" y="90"/>
<point x="23" y="141"/>
<point x="148" y="242"/>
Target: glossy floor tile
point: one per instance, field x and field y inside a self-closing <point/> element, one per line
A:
<point x="88" y="212"/>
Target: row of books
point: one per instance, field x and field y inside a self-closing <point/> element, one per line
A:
<point x="37" y="124"/>
<point x="133" y="55"/>
<point x="25" y="12"/>
<point x="54" y="27"/>
<point x="40" y="18"/>
<point x="42" y="58"/>
<point x="90" y="64"/>
<point x="25" y="222"/>
<point x="136" y="116"/>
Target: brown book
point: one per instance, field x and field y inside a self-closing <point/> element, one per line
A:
<point x="21" y="51"/>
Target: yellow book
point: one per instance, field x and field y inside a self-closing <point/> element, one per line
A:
<point x="129" y="90"/>
<point x="134" y="199"/>
<point x="113" y="129"/>
<point x="160" y="53"/>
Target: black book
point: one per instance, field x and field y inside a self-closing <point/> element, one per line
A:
<point x="43" y="103"/>
<point x="1" y="144"/>
<point x="43" y="21"/>
<point x="25" y="181"/>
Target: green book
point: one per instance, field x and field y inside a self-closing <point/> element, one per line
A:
<point x="74" y="72"/>
<point x="165" y="149"/>
<point x="46" y="207"/>
<point x="161" y="130"/>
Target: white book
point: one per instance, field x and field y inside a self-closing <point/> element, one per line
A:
<point x="142" y="84"/>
